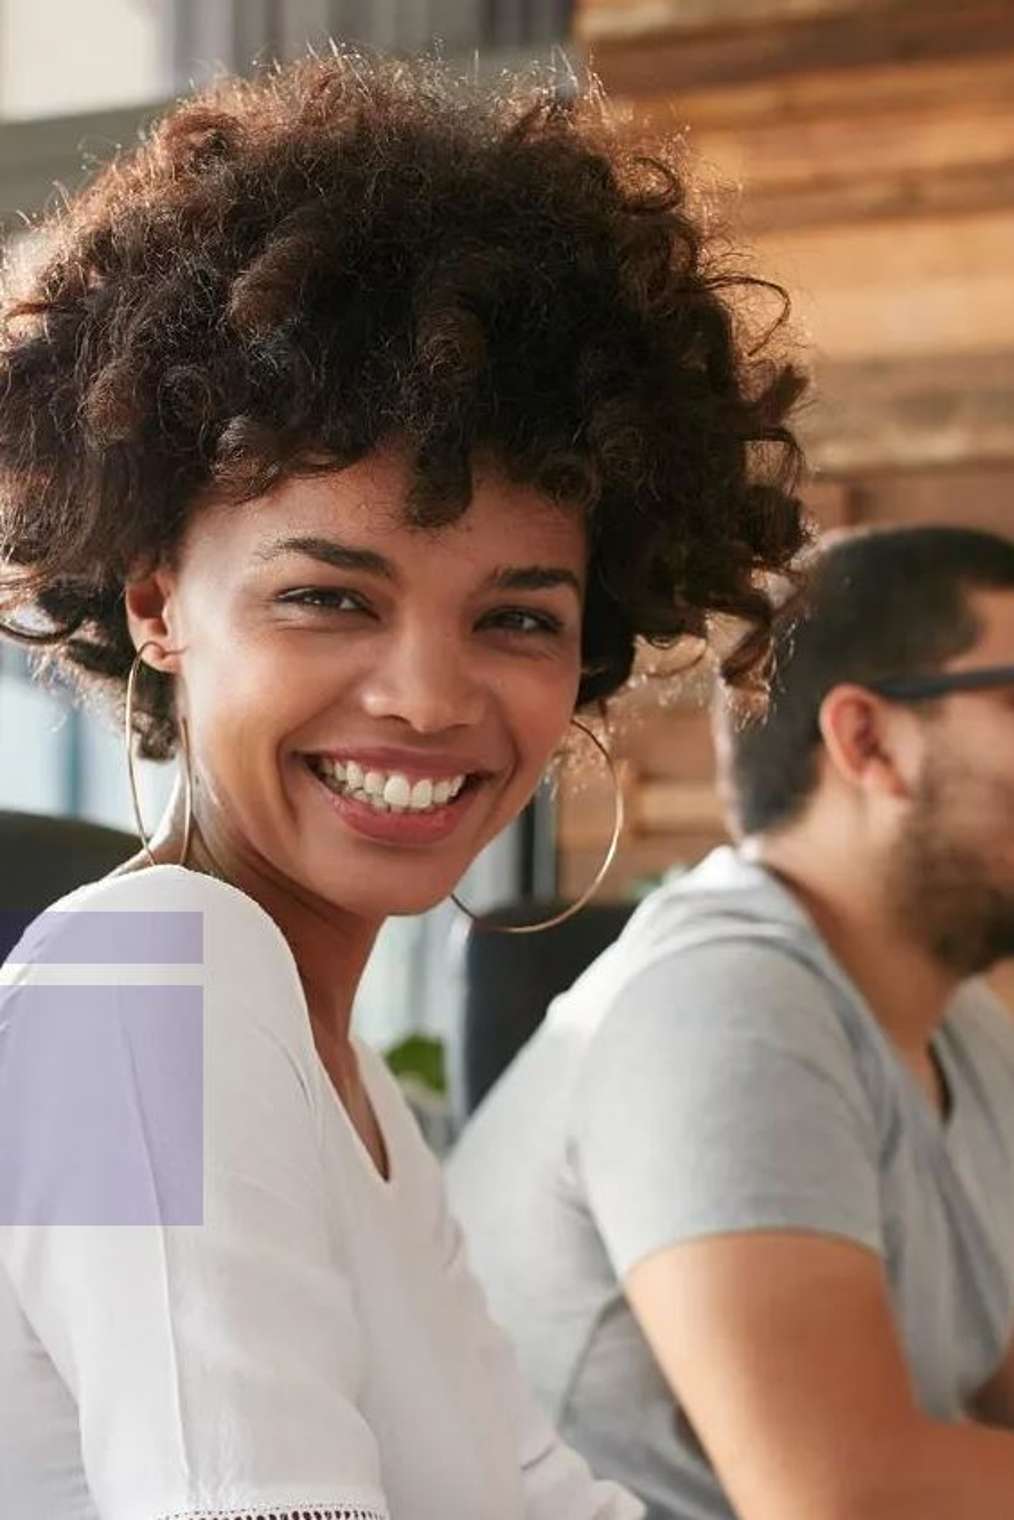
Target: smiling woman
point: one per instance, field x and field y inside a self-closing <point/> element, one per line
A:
<point x="431" y="666"/>
<point x="355" y="428"/>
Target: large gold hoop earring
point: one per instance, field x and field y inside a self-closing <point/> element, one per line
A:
<point x="592" y="888"/>
<point x="128" y="733"/>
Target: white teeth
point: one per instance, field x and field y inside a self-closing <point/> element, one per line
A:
<point x="397" y="791"/>
<point x="422" y="796"/>
<point x="393" y="793"/>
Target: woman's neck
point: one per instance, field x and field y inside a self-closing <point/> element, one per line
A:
<point x="330" y="946"/>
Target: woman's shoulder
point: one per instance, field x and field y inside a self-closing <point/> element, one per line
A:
<point x="161" y="890"/>
<point x="164" y="886"/>
<point x="166" y="923"/>
<point x="170" y="907"/>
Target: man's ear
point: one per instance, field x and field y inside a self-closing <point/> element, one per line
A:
<point x="871" y="743"/>
<point x="151" y="612"/>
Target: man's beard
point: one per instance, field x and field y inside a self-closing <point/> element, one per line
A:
<point x="951" y="880"/>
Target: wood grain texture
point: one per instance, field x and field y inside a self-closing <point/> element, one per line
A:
<point x="883" y="414"/>
<point x="845" y="147"/>
<point x="633" y="18"/>
<point x="866" y="291"/>
<point x="663" y="56"/>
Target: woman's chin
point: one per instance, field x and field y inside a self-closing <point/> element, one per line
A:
<point x="387" y="899"/>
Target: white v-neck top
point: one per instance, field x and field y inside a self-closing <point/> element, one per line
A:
<point x="211" y="1302"/>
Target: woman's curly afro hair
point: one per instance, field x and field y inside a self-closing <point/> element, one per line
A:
<point x="290" y="272"/>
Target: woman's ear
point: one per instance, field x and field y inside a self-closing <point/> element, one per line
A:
<point x="868" y="740"/>
<point x="150" y="607"/>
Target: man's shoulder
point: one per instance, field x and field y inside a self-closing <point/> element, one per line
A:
<point x="700" y="976"/>
<point x="727" y="917"/>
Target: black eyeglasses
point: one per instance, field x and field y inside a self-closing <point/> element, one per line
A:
<point x="941" y="683"/>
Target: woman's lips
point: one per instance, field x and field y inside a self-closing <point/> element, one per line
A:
<point x="407" y="828"/>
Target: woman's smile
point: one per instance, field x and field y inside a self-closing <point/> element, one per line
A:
<point x="408" y="798"/>
<point x="389" y="807"/>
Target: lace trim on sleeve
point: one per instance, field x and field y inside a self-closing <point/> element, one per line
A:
<point x="303" y="1512"/>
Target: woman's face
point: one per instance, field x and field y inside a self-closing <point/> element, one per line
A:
<point x="370" y="703"/>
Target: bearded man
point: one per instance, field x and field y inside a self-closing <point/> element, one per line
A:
<point x="746" y="1200"/>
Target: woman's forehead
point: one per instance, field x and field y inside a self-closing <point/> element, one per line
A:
<point x="365" y="506"/>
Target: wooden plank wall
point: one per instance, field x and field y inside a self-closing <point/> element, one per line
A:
<point x="865" y="148"/>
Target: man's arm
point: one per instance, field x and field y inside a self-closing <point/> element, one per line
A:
<point x="781" y="1349"/>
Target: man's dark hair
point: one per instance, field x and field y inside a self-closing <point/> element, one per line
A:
<point x="877" y="603"/>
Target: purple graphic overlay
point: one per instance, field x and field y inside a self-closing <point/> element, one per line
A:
<point x="101" y="1103"/>
<point x="95" y="937"/>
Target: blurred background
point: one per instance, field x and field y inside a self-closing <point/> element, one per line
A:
<point x="866" y="150"/>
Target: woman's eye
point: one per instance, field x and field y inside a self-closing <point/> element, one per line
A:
<point x="330" y="598"/>
<point x="522" y="620"/>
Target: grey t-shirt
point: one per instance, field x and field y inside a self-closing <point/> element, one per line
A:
<point x="715" y="1071"/>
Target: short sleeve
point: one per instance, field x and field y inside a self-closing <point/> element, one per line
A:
<point x="719" y="1095"/>
<point x="215" y="1356"/>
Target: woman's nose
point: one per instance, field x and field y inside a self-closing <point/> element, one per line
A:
<point x="427" y="682"/>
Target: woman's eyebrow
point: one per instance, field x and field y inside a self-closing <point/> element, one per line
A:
<point x="534" y="578"/>
<point x="329" y="551"/>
